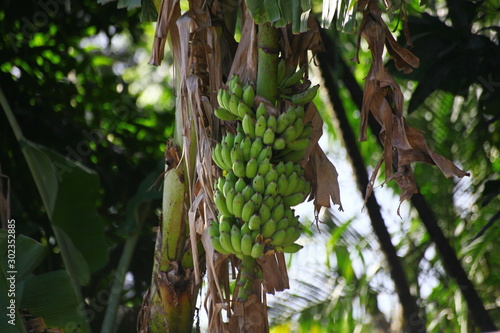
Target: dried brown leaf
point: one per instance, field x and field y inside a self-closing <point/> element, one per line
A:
<point x="312" y="116"/>
<point x="275" y="276"/>
<point x="245" y="59"/>
<point x="170" y="11"/>
<point x="374" y="34"/>
<point x="422" y="153"/>
<point x="322" y="175"/>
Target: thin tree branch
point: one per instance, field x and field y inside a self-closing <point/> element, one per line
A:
<point x="450" y="260"/>
<point x="410" y="309"/>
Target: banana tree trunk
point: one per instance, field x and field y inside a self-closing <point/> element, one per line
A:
<point x="170" y="303"/>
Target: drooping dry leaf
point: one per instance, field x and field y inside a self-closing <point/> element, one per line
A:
<point x="420" y="152"/>
<point x="403" y="58"/>
<point x="382" y="97"/>
<point x="322" y="175"/>
<point x="169" y="13"/>
<point x="312" y="116"/>
<point x="250" y="316"/>
<point x="374" y="34"/>
<point x="275" y="276"/>
<point x="245" y="59"/>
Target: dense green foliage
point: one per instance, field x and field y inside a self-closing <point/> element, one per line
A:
<point x="68" y="71"/>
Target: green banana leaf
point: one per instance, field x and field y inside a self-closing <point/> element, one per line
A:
<point x="69" y="192"/>
<point x="49" y="296"/>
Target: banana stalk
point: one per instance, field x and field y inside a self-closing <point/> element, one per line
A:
<point x="267" y="57"/>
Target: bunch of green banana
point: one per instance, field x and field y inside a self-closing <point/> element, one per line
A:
<point x="261" y="179"/>
<point x="292" y="85"/>
<point x="235" y="102"/>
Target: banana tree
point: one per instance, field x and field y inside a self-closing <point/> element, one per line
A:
<point x="202" y="39"/>
<point x="241" y="156"/>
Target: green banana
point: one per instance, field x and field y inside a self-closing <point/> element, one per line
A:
<point x="224" y="114"/>
<point x="282" y="122"/>
<point x="224" y="224"/>
<point x="256" y="147"/>
<point x="293" y="179"/>
<point x="226" y="154"/>
<point x="260" y="126"/>
<point x="220" y="202"/>
<point x="243" y="109"/>
<point x="240" y="185"/>
<point x="239" y="168"/>
<point x="300" y="112"/>
<point x="280" y="168"/>
<point x="218" y="246"/>
<point x="245" y="229"/>
<point x="236" y="239"/>
<point x="278" y="237"/>
<point x="261" y="111"/>
<point x="292" y="114"/>
<point x="272" y="175"/>
<point x="255" y="222"/>
<point x="213" y="229"/>
<point x="294" y="199"/>
<point x="246" y="244"/>
<point x="234" y="101"/>
<point x="220" y="98"/>
<point x="249" y="95"/>
<point x="294" y="78"/>
<point x="289" y="168"/>
<point x="279" y="144"/>
<point x="217" y="157"/>
<point x="292" y="234"/>
<point x="246" y="146"/>
<point x="257" y="250"/>
<point x="225" y="241"/>
<point x="268" y="136"/>
<point x="240" y="135"/>
<point x="259" y="184"/>
<point x="305" y="96"/>
<point x="299" y="126"/>
<point x="229" y="200"/>
<point x="237" y="90"/>
<point x="271" y="189"/>
<point x="282" y="224"/>
<point x="257" y="199"/>
<point x="289" y="134"/>
<point x="228" y="139"/>
<point x="235" y="79"/>
<point x="269" y="200"/>
<point x="306" y="132"/>
<point x="291" y="248"/>
<point x="265" y="153"/>
<point x="248" y="124"/>
<point x="238" y="202"/>
<point x="264" y="167"/>
<point x="247" y="211"/>
<point x="268" y="228"/>
<point x="282" y="184"/>
<point x="264" y="212"/>
<point x="247" y="192"/>
<point x="251" y="168"/>
<point x="236" y="153"/>
<point x="278" y="212"/>
<point x="298" y="144"/>
<point x="219" y="183"/>
<point x="271" y="122"/>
